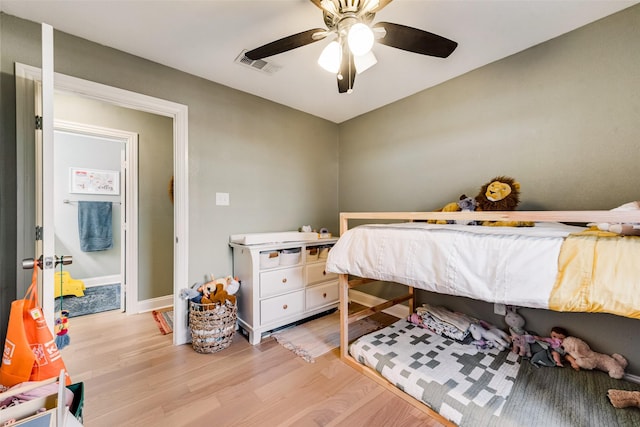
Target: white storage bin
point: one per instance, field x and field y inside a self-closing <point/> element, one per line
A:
<point x="312" y="253"/>
<point x="269" y="259"/>
<point x="290" y="256"/>
<point x="324" y="252"/>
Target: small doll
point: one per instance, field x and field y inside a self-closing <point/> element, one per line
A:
<point x="558" y="334"/>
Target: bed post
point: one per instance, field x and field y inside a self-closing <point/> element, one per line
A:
<point x="343" y="283"/>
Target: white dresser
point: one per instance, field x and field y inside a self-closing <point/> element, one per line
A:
<point x="282" y="283"/>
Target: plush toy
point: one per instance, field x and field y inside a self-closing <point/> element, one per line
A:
<point x="624" y="229"/>
<point x="521" y="345"/>
<point x="466" y="204"/>
<point x="521" y="340"/>
<point x="231" y="285"/>
<point x="500" y="194"/>
<point x="488" y="336"/>
<point x="586" y="358"/>
<point x="190" y="293"/>
<point x="624" y="398"/>
<point x="449" y="207"/>
<point x="217" y="295"/>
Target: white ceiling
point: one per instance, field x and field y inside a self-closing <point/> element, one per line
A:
<point x="204" y="37"/>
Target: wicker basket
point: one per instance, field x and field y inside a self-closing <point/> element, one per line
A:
<point x="212" y="326"/>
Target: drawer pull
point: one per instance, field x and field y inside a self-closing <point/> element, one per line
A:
<point x="284" y="307"/>
<point x="324" y="272"/>
<point x="284" y="280"/>
<point x="324" y="295"/>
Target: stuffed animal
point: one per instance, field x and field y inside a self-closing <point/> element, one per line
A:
<point x="623" y="229"/>
<point x="500" y="194"/>
<point x="520" y="338"/>
<point x="449" y="207"/>
<point x="488" y="336"/>
<point x="217" y="295"/>
<point x="586" y="358"/>
<point x="624" y="398"/>
<point x="521" y="344"/>
<point x="189" y="293"/>
<point x="466" y="204"/>
<point x="215" y="291"/>
<point x="230" y="284"/>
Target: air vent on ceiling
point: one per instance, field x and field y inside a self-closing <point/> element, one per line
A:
<point x="258" y="65"/>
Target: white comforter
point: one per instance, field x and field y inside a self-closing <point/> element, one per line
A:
<point x="509" y="265"/>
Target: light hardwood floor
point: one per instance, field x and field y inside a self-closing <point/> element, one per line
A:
<point x="134" y="376"/>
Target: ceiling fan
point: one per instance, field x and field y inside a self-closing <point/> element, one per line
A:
<point x="349" y="22"/>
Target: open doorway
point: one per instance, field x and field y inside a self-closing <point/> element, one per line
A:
<point x="96" y="164"/>
<point x="178" y="115"/>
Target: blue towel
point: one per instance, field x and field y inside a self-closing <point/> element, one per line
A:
<point x="94" y="226"/>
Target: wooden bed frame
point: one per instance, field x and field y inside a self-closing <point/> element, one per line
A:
<point x="345" y="283"/>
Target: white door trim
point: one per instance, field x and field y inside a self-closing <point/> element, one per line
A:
<point x="179" y="113"/>
<point x="129" y="228"/>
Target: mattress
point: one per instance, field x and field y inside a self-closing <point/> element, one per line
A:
<point x="473" y="387"/>
<point x="508" y="265"/>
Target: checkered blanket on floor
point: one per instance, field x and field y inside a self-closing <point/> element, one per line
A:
<point x="472" y="387"/>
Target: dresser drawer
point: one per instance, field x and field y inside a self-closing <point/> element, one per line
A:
<point x="320" y="295"/>
<point x="316" y="273"/>
<point x="280" y="281"/>
<point x="275" y="308"/>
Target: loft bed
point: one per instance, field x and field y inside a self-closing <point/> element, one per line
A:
<point x="484" y="263"/>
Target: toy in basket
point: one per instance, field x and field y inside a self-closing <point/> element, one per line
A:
<point x="212" y="314"/>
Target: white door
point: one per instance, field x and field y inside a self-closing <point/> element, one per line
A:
<point x="44" y="217"/>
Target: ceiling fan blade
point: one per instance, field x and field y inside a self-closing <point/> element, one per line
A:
<point x="286" y="43"/>
<point x="347" y="72"/>
<point x="415" y="40"/>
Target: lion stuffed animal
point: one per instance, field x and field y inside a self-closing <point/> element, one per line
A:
<point x="586" y="358"/>
<point x="500" y="194"/>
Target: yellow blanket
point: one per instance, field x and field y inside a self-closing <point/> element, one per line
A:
<point x="598" y="272"/>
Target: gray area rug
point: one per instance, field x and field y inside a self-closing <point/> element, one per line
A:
<point x="96" y="299"/>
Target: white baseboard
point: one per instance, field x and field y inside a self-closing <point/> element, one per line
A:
<point x="154" y="304"/>
<point x="400" y="311"/>
<point x="102" y="280"/>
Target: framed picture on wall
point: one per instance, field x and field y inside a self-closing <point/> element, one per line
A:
<point x="94" y="181"/>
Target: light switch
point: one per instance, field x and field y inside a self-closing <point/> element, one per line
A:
<point x="222" y="199"/>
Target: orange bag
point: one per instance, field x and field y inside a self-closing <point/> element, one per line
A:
<point x="30" y="351"/>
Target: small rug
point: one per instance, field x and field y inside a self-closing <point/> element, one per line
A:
<point x="164" y="320"/>
<point x="319" y="336"/>
<point x="96" y="299"/>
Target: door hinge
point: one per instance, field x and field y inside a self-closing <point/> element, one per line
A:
<point x="38" y="232"/>
<point x="39" y="122"/>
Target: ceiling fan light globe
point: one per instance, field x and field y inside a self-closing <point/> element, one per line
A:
<point x="360" y="39"/>
<point x="330" y="57"/>
<point x="364" y="62"/>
